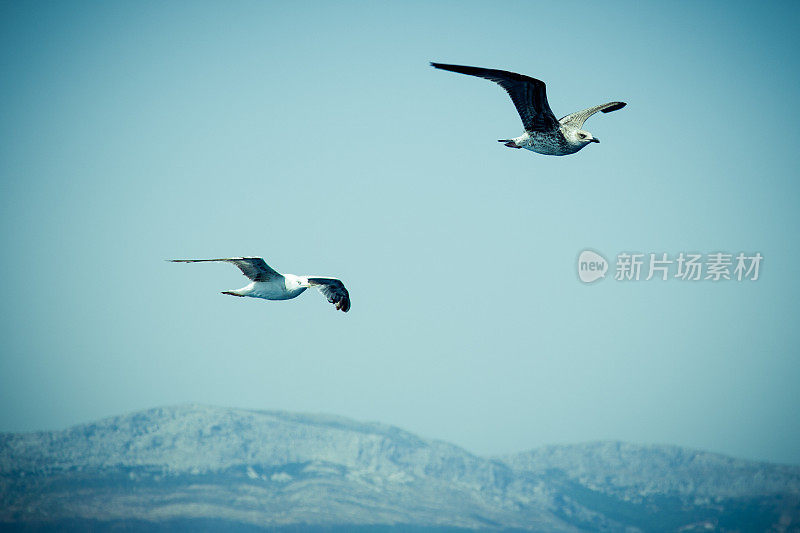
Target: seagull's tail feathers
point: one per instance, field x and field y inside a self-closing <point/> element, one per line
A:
<point x="194" y="260"/>
<point x="508" y="142"/>
<point x="232" y="293"/>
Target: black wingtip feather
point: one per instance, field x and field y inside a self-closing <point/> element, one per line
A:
<point x="619" y="105"/>
<point x="461" y="69"/>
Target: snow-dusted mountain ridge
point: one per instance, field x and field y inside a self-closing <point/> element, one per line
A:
<point x="278" y="469"/>
<point x="195" y="439"/>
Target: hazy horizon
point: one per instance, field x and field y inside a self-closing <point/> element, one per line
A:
<point x="336" y="416"/>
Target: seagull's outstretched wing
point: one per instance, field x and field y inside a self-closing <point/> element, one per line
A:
<point x="576" y="120"/>
<point x="334" y="291"/>
<point x="528" y="94"/>
<point x="253" y="267"/>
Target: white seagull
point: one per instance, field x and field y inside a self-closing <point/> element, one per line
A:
<point x="544" y="134"/>
<point x="270" y="285"/>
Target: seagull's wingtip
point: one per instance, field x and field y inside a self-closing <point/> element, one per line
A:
<point x="443" y="66"/>
<point x="615" y="107"/>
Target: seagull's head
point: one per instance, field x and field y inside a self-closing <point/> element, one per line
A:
<point x="294" y="283"/>
<point x="583" y="137"/>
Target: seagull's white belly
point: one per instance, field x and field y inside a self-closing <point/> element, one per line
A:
<point x="546" y="143"/>
<point x="271" y="290"/>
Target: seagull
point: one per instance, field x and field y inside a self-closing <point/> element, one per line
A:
<point x="543" y="133"/>
<point x="270" y="285"/>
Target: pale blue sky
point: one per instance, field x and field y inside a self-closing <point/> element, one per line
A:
<point x="320" y="139"/>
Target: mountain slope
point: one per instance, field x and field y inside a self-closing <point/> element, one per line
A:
<point x="633" y="472"/>
<point x="189" y="467"/>
<point x="680" y="489"/>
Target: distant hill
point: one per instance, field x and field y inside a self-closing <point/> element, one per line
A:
<point x="200" y="468"/>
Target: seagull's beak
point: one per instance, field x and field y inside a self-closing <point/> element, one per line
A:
<point x="595" y="140"/>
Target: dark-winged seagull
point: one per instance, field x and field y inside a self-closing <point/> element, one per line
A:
<point x="543" y="133"/>
<point x="270" y="285"/>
